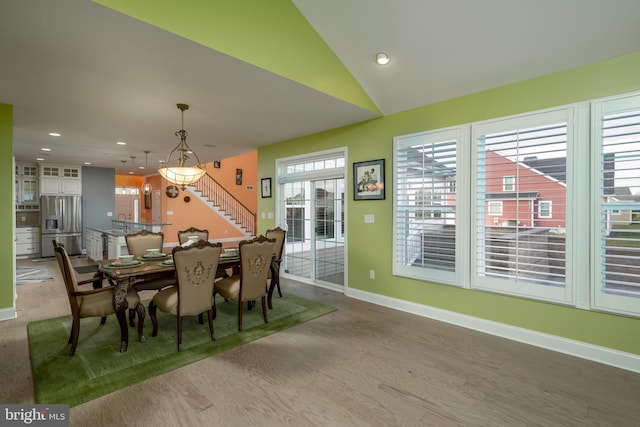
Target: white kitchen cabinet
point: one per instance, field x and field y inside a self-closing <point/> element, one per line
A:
<point x="117" y="246"/>
<point x="60" y="180"/>
<point x="93" y="241"/>
<point x="27" y="241"/>
<point x="26" y="186"/>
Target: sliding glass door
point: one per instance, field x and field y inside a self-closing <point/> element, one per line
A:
<point x="313" y="209"/>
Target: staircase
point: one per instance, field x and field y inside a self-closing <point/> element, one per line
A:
<point x="224" y="203"/>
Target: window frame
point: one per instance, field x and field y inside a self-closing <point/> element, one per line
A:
<point x="550" y="209"/>
<point x="508" y="186"/>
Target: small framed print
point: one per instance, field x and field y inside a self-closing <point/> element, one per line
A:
<point x="216" y="164"/>
<point x="265" y="184"/>
<point x="238" y="176"/>
<point x="368" y="180"/>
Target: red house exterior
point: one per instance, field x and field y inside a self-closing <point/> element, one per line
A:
<point x="518" y="194"/>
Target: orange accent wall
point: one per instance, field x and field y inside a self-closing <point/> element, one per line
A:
<point x="226" y="176"/>
<point x="196" y="213"/>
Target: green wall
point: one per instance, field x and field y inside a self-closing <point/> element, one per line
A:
<point x="6" y="206"/>
<point x="370" y="245"/>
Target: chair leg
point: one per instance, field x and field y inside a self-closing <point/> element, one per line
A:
<point x="154" y="319"/>
<point x="239" y="315"/>
<point x="132" y="317"/>
<point x="264" y="308"/>
<point x="200" y="319"/>
<point x="214" y="308"/>
<point x="179" y="332"/>
<point x="75" y="332"/>
<point x="213" y="334"/>
<point x="278" y="286"/>
<point x="140" y="310"/>
<point x="103" y="320"/>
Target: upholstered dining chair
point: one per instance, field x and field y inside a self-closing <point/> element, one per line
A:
<point x="196" y="267"/>
<point x="137" y="245"/>
<point x="280" y="235"/>
<point x="96" y="302"/>
<point x="183" y="235"/>
<point x="251" y="283"/>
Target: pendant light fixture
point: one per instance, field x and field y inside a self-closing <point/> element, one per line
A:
<point x="146" y="188"/>
<point x="182" y="175"/>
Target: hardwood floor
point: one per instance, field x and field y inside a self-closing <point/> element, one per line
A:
<point x="362" y="365"/>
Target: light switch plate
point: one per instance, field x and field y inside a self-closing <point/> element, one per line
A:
<point x="369" y="219"/>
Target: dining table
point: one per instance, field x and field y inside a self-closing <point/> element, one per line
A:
<point x="125" y="275"/>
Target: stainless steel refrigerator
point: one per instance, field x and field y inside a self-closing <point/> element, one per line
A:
<point x="61" y="220"/>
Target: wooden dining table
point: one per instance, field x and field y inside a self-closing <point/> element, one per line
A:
<point x="125" y="276"/>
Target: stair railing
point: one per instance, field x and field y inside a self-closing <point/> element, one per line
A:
<point x="215" y="193"/>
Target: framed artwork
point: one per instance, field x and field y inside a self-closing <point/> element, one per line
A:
<point x="368" y="180"/>
<point x="216" y="164"/>
<point x="172" y="191"/>
<point x="238" y="176"/>
<point x="266" y="187"/>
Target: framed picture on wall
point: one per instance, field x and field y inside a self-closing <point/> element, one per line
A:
<point x="238" y="176"/>
<point x="266" y="187"/>
<point x="368" y="180"/>
<point x="216" y="164"/>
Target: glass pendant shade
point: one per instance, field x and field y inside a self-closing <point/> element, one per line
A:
<point x="146" y="188"/>
<point x="181" y="174"/>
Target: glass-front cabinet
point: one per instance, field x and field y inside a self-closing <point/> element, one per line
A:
<point x="26" y="186"/>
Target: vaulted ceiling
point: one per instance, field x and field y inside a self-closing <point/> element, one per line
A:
<point x="256" y="72"/>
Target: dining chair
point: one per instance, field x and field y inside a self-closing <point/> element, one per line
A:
<point x="274" y="274"/>
<point x="96" y="302"/>
<point x="137" y="245"/>
<point x="251" y="283"/>
<point x="183" y="235"/>
<point x="192" y="294"/>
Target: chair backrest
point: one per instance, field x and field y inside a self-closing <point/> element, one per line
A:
<point x="255" y="265"/>
<point x="68" y="275"/>
<point x="196" y="268"/>
<point x="279" y="234"/>
<point x="183" y="235"/>
<point x="140" y="242"/>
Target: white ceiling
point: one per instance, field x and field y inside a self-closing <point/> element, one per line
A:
<point x="97" y="76"/>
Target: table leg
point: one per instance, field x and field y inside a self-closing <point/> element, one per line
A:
<point x="120" y="305"/>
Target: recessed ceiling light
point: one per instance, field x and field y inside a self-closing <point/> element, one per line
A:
<point x="54" y="134"/>
<point x="121" y="143"/>
<point x="382" y="58"/>
<point x="87" y="163"/>
<point x="45" y="149"/>
<point x="40" y="159"/>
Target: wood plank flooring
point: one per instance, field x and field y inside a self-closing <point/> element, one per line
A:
<point x="362" y="365"/>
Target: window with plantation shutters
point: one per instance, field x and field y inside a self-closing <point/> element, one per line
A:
<point x="617" y="246"/>
<point x="542" y="205"/>
<point x="425" y="205"/>
<point x="521" y="171"/>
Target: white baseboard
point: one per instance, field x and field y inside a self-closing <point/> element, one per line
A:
<point x="7" y="313"/>
<point x="619" y="359"/>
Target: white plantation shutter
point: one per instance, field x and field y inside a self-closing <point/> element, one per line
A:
<point x="617" y="150"/>
<point x="521" y="249"/>
<point x="425" y="205"/>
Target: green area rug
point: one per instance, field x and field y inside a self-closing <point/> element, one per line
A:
<point x="98" y="368"/>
